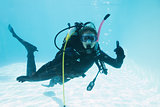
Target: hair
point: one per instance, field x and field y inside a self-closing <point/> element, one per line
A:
<point x="87" y="29"/>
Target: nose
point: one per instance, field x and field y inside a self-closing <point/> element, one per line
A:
<point x="88" y="43"/>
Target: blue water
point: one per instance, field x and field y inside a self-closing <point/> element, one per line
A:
<point x="134" y="23"/>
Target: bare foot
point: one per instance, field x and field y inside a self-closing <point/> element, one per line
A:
<point x="22" y="78"/>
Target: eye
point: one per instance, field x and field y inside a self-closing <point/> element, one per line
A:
<point x="92" y="38"/>
<point x="85" y="38"/>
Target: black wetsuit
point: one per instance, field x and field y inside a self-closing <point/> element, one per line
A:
<point x="77" y="62"/>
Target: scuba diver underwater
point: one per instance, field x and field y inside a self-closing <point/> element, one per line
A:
<point x="79" y="51"/>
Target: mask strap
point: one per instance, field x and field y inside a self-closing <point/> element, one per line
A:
<point x="89" y="23"/>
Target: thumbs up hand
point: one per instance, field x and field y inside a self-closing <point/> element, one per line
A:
<point x="119" y="51"/>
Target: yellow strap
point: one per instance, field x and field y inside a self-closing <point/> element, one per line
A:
<point x="67" y="38"/>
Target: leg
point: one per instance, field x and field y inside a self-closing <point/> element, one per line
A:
<point x="54" y="81"/>
<point x="51" y="83"/>
<point x="31" y="66"/>
<point x="47" y="71"/>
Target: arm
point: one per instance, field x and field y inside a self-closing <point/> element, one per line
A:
<point x="117" y="62"/>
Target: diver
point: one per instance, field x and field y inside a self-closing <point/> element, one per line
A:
<point x="81" y="52"/>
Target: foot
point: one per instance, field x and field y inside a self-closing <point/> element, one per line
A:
<point x="51" y="83"/>
<point x="22" y="78"/>
<point x="10" y="28"/>
<point x="48" y="85"/>
<point x="29" y="47"/>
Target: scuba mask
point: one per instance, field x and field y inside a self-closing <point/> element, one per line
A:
<point x="88" y="40"/>
<point x="88" y="37"/>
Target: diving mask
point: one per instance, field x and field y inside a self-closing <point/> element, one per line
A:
<point x="88" y="37"/>
<point x="88" y="40"/>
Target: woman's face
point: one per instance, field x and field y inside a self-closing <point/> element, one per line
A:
<point x="89" y="39"/>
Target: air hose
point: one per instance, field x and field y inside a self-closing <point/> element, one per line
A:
<point x="66" y="39"/>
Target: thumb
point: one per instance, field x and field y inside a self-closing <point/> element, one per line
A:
<point x="117" y="46"/>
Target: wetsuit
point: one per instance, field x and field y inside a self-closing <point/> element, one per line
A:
<point x="77" y="61"/>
